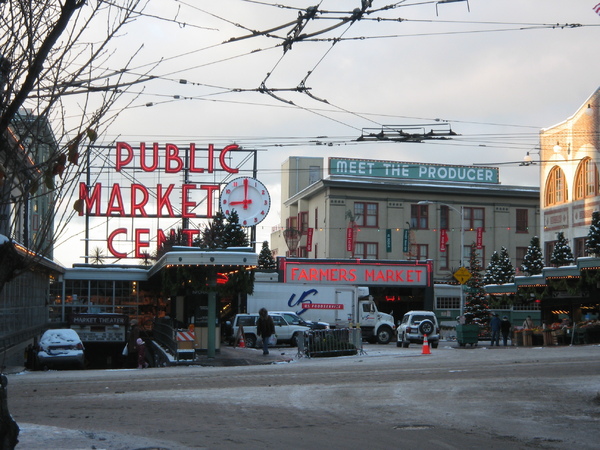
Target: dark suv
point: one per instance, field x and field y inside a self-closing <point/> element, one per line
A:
<point x="415" y="325"/>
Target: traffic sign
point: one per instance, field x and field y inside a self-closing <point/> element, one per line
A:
<point x="462" y="275"/>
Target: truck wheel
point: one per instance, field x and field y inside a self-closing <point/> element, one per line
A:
<point x="250" y="340"/>
<point x="404" y="343"/>
<point x="384" y="335"/>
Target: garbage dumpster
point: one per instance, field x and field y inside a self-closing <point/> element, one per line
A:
<point x="467" y="334"/>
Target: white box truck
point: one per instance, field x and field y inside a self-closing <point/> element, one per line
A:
<point x="340" y="306"/>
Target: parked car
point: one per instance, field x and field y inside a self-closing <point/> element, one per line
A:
<point x="294" y="319"/>
<point x="287" y="332"/>
<point x="60" y="348"/>
<point x="415" y="325"/>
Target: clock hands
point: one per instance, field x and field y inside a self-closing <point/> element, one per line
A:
<point x="247" y="201"/>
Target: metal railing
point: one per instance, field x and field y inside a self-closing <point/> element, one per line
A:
<point x="164" y="334"/>
<point x="337" y="342"/>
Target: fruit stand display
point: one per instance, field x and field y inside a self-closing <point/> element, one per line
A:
<point x="467" y="334"/>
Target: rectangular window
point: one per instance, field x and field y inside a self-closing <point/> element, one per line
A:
<point x="579" y="247"/>
<point x="292" y="222"/>
<point x="303" y="220"/>
<point x="548" y="249"/>
<point x="365" y="250"/>
<point x="366" y="214"/>
<point x="316" y="218"/>
<point x="444" y="258"/>
<point x="420" y="251"/>
<point x="473" y="218"/>
<point x="522" y="221"/>
<point x="444" y="217"/>
<point x="419" y="217"/>
<point x="314" y="174"/>
<point x="520" y="253"/>
<point x="447" y="302"/>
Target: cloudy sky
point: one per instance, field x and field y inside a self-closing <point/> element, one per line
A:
<point x="493" y="71"/>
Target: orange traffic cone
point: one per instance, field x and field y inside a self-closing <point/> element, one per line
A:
<point x="426" y="350"/>
<point x="242" y="342"/>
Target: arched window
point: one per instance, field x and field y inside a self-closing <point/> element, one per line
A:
<point x="556" y="187"/>
<point x="586" y="179"/>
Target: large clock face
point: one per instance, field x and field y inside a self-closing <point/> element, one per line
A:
<point x="248" y="197"/>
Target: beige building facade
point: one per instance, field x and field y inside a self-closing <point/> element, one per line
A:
<point x="569" y="180"/>
<point x="390" y="210"/>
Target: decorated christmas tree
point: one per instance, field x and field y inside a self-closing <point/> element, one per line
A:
<point x="476" y="308"/>
<point x="592" y="242"/>
<point x="491" y="271"/>
<point x="533" y="262"/>
<point x="265" y="258"/>
<point x="561" y="254"/>
<point x="506" y="271"/>
<point x="212" y="235"/>
<point x="235" y="235"/>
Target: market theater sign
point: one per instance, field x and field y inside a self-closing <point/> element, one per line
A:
<point x="166" y="199"/>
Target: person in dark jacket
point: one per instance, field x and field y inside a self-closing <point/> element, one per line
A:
<point x="495" y="323"/>
<point x="505" y="329"/>
<point x="265" y="328"/>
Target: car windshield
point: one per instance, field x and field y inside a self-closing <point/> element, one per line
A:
<point x="294" y="319"/>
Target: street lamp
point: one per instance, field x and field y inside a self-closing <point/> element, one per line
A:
<point x="461" y="212"/>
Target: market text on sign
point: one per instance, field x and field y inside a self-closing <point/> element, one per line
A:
<point x="175" y="200"/>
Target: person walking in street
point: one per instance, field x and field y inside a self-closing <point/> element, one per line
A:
<point x="134" y="334"/>
<point x="141" y="354"/>
<point x="495" y="323"/>
<point x="505" y="326"/>
<point x="265" y="328"/>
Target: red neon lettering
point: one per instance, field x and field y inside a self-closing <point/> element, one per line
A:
<point x="163" y="200"/>
<point x="211" y="158"/>
<point x="303" y="275"/>
<point x="90" y="201"/>
<point x="294" y="270"/>
<point x="222" y="158"/>
<point x="154" y="165"/>
<point x="189" y="234"/>
<point x="135" y="206"/>
<point x="314" y="275"/>
<point x="139" y="243"/>
<point x="115" y="202"/>
<point x="172" y="156"/>
<point x="110" y="240"/>
<point x="185" y="202"/>
<point x="160" y="238"/>
<point x="120" y="161"/>
<point x="192" y="164"/>
<point x="210" y="190"/>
